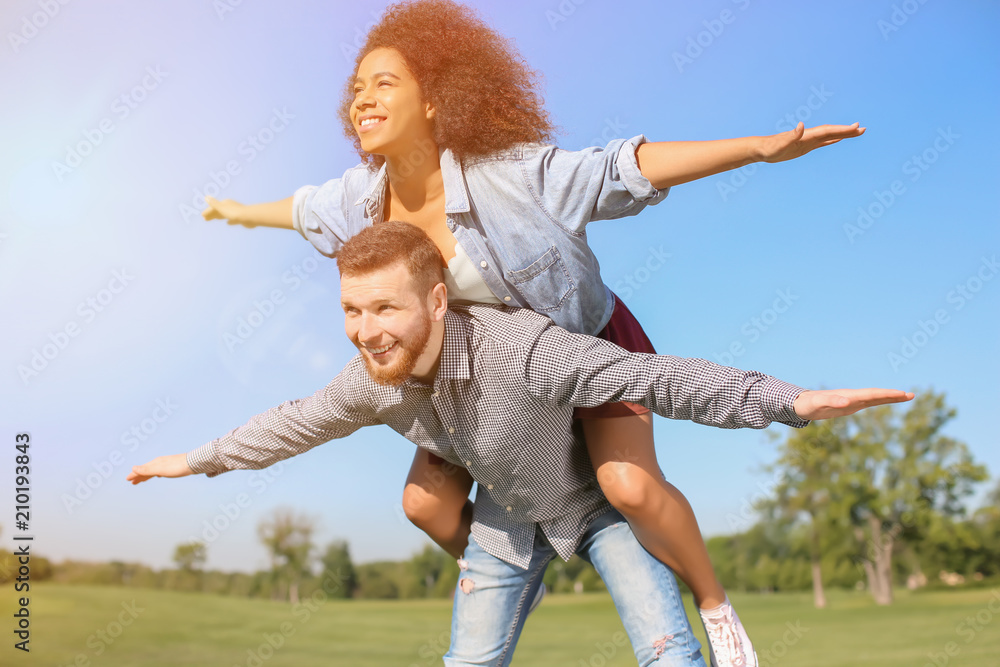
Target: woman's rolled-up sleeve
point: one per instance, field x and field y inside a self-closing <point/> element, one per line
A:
<point x="321" y="214"/>
<point x="575" y="187"/>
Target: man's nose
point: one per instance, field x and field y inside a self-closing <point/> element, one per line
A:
<point x="368" y="329"/>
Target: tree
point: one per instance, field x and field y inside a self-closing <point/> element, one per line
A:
<point x="288" y="538"/>
<point x="900" y="471"/>
<point x="338" y="567"/>
<point x="190" y="556"/>
<point x="429" y="565"/>
<point x="806" y="472"/>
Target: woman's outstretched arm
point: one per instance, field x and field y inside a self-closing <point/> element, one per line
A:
<point x="667" y="163"/>
<point x="269" y="214"/>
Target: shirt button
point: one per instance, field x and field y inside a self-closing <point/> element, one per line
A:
<point x="506" y="298"/>
<point x="489" y="486"/>
<point x="483" y="264"/>
<point x="451" y="429"/>
<point x="434" y="395"/>
<point x="468" y="463"/>
<point x="509" y="508"/>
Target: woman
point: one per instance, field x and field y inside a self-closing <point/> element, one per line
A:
<point x="453" y="139"/>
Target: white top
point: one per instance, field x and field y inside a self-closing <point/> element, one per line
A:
<point x="463" y="281"/>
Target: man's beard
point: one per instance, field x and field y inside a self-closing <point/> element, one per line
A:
<point x="395" y="374"/>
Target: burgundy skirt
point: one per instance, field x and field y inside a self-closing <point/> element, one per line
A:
<point x="624" y="331"/>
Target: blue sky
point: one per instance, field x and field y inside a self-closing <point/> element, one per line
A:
<point x="101" y="261"/>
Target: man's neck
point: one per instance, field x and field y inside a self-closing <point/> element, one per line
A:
<point x="430" y="359"/>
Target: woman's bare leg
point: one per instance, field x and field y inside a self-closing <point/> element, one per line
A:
<point x="621" y="449"/>
<point x="436" y="500"/>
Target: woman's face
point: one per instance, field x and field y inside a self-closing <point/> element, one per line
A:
<point x="389" y="113"/>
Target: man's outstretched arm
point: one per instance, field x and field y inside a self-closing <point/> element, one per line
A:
<point x="282" y="432"/>
<point x="571" y="369"/>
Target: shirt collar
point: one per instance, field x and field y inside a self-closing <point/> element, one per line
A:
<point x="456" y="195"/>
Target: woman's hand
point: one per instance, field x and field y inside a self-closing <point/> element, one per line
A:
<point x="227" y="209"/>
<point x="269" y="214"/>
<point x="796" y="143"/>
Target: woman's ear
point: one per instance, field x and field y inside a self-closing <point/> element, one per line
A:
<point x="430" y="111"/>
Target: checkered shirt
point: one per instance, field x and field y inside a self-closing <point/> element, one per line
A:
<point x="502" y="407"/>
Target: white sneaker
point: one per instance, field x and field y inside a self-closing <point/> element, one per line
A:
<point x="728" y="643"/>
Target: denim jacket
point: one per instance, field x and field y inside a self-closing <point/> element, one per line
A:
<point x="520" y="215"/>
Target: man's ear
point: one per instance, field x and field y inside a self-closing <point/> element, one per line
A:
<point x="438" y="301"/>
<point x="430" y="111"/>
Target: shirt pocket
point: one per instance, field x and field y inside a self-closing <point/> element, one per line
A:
<point x="545" y="283"/>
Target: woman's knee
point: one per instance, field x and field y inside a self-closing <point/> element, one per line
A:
<point x="630" y="489"/>
<point x="420" y="506"/>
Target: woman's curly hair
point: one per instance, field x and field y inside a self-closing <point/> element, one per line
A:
<point x="482" y="90"/>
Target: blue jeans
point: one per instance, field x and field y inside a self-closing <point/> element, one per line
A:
<point x="492" y="599"/>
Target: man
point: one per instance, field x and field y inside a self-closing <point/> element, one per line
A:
<point x="493" y="389"/>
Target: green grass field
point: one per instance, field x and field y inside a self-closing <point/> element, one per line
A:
<point x="79" y="625"/>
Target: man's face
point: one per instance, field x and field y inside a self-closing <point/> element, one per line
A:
<point x="388" y="320"/>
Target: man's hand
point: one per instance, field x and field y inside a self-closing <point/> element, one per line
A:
<point x="830" y="403"/>
<point x="227" y="209"/>
<point x="795" y="143"/>
<point x="174" y="465"/>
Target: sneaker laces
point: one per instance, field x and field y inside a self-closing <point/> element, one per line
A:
<point x="722" y="635"/>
